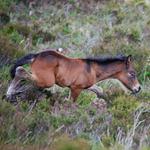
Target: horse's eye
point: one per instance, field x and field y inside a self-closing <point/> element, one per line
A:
<point x="132" y="74"/>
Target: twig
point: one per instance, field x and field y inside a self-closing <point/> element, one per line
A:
<point x="100" y="141"/>
<point x="8" y="141"/>
<point x="56" y="132"/>
<point x="26" y="137"/>
<point x="137" y="114"/>
<point x="30" y="110"/>
<point x="37" y="132"/>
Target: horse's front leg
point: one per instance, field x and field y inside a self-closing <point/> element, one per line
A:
<point x="97" y="90"/>
<point x="74" y="94"/>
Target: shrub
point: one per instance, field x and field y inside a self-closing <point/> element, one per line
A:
<point x="4" y="17"/>
<point x="9" y="51"/>
<point x="44" y="105"/>
<point x="15" y="37"/>
<point x="6" y="112"/>
<point x="66" y="143"/>
<point x="107" y="141"/>
<point x="92" y="112"/>
<point x="40" y="36"/>
<point x="22" y="29"/>
<point x="130" y="32"/>
<point x="123" y="112"/>
<point x="4" y="80"/>
<point x="24" y="17"/>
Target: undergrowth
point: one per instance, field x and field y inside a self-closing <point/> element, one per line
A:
<point x="41" y="119"/>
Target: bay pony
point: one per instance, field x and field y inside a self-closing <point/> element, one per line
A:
<point x="49" y="67"/>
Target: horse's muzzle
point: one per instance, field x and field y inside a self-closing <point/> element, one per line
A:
<point x="136" y="89"/>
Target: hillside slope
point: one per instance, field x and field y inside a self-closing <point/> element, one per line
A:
<point x="101" y="28"/>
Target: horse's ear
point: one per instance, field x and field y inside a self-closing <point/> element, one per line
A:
<point x="128" y="61"/>
<point x="123" y="54"/>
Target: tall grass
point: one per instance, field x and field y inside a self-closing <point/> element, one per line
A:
<point x="119" y="120"/>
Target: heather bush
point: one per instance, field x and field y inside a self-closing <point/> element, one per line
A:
<point x="46" y="119"/>
<point x="22" y="29"/>
<point x="66" y="143"/>
<point x="9" y="50"/>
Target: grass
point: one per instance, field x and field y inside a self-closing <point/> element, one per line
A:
<point x="118" y="120"/>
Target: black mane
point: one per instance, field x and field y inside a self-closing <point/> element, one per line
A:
<point x="106" y="59"/>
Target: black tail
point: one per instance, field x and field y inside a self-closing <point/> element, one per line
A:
<point x="22" y="61"/>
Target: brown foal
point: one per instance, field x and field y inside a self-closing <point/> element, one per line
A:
<point x="50" y="67"/>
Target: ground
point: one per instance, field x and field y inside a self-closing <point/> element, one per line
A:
<point x="119" y="120"/>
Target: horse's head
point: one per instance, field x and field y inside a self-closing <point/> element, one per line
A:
<point x="128" y="76"/>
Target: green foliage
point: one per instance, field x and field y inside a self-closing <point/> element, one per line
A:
<point x="66" y="143"/>
<point x="41" y="36"/>
<point x="92" y="112"/>
<point x="4" y="18"/>
<point x="9" y="51"/>
<point x="102" y="29"/>
<point x="4" y="79"/>
<point x="24" y="17"/>
<point x="22" y="29"/>
<point x="44" y="105"/>
<point x="123" y="108"/>
<point x="5" y="5"/>
<point x="24" y="106"/>
<point x="66" y="29"/>
<point x="4" y="74"/>
<point x="144" y="3"/>
<point x="6" y="110"/>
<point x="131" y="32"/>
<point x="14" y="37"/>
<point x="107" y="141"/>
<point x="101" y="118"/>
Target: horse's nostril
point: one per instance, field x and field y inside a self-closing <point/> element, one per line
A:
<point x="137" y="89"/>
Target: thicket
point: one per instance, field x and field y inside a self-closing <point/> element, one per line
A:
<point x="40" y="119"/>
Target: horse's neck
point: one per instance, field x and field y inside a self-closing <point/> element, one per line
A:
<point x="110" y="70"/>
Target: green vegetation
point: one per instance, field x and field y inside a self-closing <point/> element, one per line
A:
<point x="82" y="28"/>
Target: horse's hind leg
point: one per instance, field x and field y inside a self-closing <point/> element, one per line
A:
<point x="21" y="74"/>
<point x="97" y="90"/>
